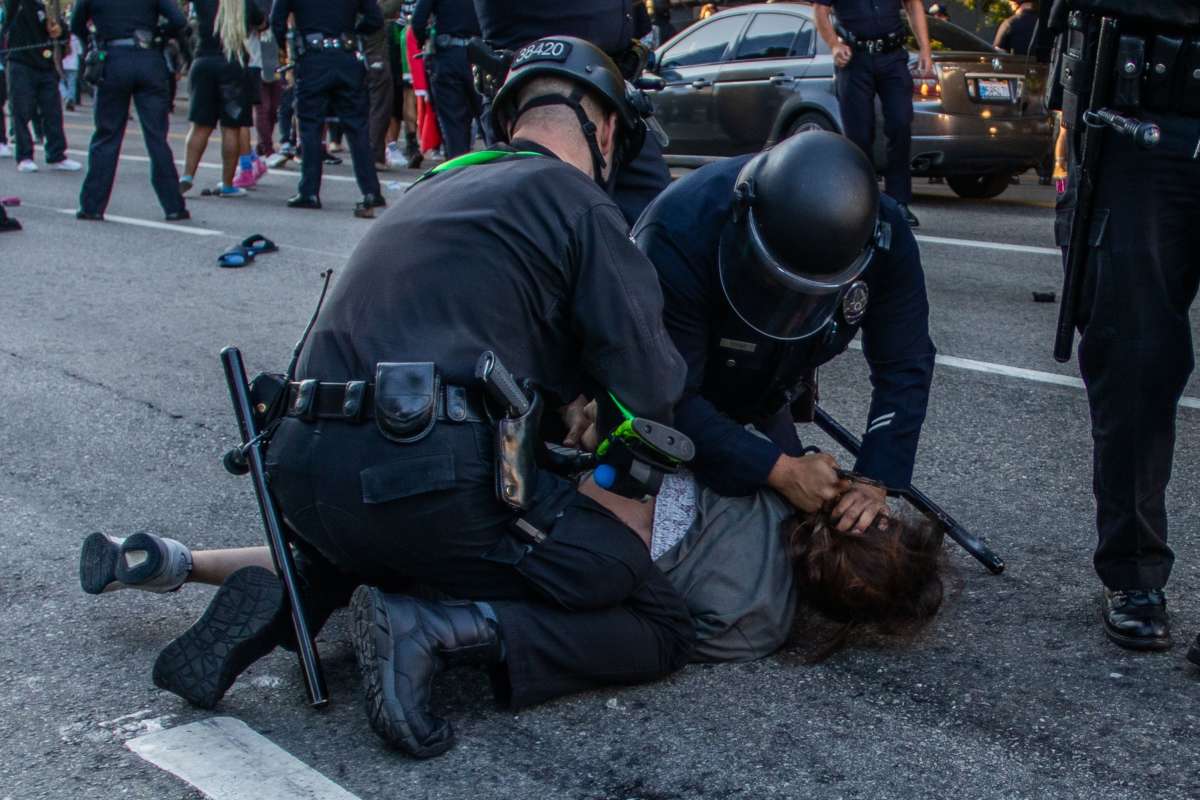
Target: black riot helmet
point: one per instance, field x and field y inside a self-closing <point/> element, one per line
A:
<point x="805" y="225"/>
<point x="587" y="66"/>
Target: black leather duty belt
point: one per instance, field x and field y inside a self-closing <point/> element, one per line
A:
<point x="355" y="402"/>
<point x="879" y="45"/>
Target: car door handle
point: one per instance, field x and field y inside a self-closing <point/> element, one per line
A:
<point x="701" y="84"/>
<point x="780" y="80"/>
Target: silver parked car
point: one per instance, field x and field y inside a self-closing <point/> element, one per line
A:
<point x="745" y="78"/>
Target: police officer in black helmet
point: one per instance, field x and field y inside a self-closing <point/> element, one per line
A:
<point x="611" y="25"/>
<point x="330" y="80"/>
<point x="1136" y="243"/>
<point x="523" y="254"/>
<point x="769" y="267"/>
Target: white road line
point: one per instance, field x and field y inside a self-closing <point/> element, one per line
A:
<point x="1035" y="375"/>
<point x="148" y="223"/>
<point x="1013" y="248"/>
<point x="226" y="760"/>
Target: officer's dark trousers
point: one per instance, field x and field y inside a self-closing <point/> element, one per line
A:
<point x="857" y="84"/>
<point x="1136" y="351"/>
<point x="585" y="607"/>
<point x="140" y="75"/>
<point x="379" y="86"/>
<point x="31" y="90"/>
<point x="454" y="97"/>
<point x="3" y="105"/>
<point x="333" y="82"/>
<point x="287" y="115"/>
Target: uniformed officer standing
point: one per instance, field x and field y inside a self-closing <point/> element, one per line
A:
<point x="330" y="78"/>
<point x="385" y="464"/>
<point x="872" y="61"/>
<point x="763" y="283"/>
<point x="134" y="69"/>
<point x="612" y="26"/>
<point x="455" y="100"/>
<point x="1139" y="282"/>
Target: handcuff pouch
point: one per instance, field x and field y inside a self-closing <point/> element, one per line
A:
<point x="406" y="398"/>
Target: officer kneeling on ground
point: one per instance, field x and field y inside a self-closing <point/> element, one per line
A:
<point x="769" y="267"/>
<point x="384" y="465"/>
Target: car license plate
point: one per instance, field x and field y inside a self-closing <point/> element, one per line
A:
<point x="994" y="89"/>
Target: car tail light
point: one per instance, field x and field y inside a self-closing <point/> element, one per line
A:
<point x="927" y="89"/>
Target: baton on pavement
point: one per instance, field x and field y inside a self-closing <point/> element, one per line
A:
<point x="967" y="540"/>
<point x="281" y="554"/>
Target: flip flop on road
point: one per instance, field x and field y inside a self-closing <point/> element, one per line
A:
<point x="235" y="257"/>
<point x="259" y="244"/>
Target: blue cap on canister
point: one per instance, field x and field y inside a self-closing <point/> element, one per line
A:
<point x="605" y="476"/>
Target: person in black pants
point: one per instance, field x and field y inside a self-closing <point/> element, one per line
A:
<point x="134" y="68"/>
<point x="872" y="61"/>
<point x="521" y="252"/>
<point x="330" y="80"/>
<point x="1136" y="351"/>
<point x="455" y="100"/>
<point x="33" y="82"/>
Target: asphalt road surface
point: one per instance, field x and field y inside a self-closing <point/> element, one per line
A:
<point x="115" y="416"/>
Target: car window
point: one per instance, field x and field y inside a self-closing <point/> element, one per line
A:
<point x="803" y="46"/>
<point x="769" y="36"/>
<point x="948" y="36"/>
<point x="705" y="45"/>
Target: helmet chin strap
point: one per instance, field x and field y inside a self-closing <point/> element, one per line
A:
<point x="586" y="125"/>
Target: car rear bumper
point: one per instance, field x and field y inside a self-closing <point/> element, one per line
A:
<point x="956" y="144"/>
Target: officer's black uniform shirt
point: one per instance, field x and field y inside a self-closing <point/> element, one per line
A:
<point x="867" y="18"/>
<point x="208" y="43"/>
<point x="118" y="19"/>
<point x="527" y="257"/>
<point x="25" y="26"/>
<point x="1016" y="33"/>
<point x="680" y="232"/>
<point x="454" y="18"/>
<point x="326" y="17"/>
<point x="512" y="24"/>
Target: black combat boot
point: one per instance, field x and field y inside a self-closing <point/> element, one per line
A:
<point x="246" y="619"/>
<point x="401" y="644"/>
<point x="1136" y="619"/>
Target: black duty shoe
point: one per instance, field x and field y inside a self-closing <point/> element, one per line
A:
<point x="909" y="217"/>
<point x="178" y="216"/>
<point x="330" y="159"/>
<point x="90" y="216"/>
<point x="414" y="159"/>
<point x="374" y="201"/>
<point x="304" y="201"/>
<point x="7" y="224"/>
<point x="1136" y="619"/>
<point x="401" y="644"/>
<point x="240" y="626"/>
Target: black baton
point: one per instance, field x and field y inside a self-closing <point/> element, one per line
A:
<point x="281" y="554"/>
<point x="966" y="540"/>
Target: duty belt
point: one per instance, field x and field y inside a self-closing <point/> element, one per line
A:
<point x="130" y="42"/>
<point x="354" y="401"/>
<point x="879" y="45"/>
<point x="446" y="40"/>
<point x="317" y="41"/>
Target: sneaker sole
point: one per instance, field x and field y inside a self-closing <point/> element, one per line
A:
<point x="372" y="650"/>
<point x="98" y="563"/>
<point x="236" y="630"/>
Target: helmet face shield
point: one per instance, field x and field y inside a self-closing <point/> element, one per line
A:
<point x="776" y="301"/>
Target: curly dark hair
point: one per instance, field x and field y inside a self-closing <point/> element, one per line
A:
<point x="886" y="580"/>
